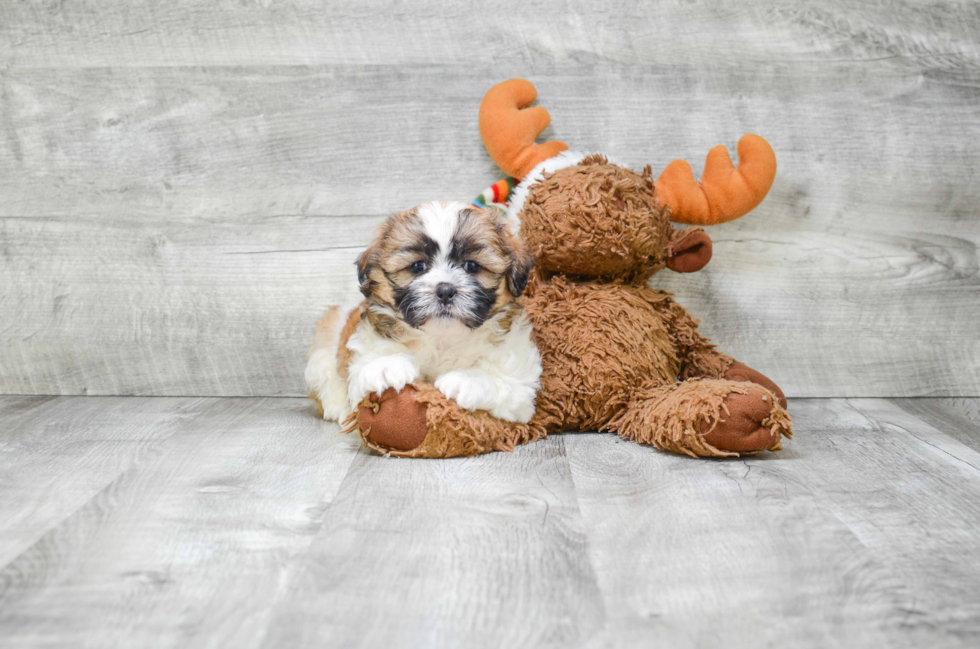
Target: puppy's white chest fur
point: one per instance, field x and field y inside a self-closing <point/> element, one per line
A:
<point x="448" y="345"/>
<point x="482" y="369"/>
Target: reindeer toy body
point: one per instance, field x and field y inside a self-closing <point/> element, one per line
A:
<point x="617" y="355"/>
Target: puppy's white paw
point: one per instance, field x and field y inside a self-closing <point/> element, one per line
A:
<point x="394" y="371"/>
<point x="471" y="389"/>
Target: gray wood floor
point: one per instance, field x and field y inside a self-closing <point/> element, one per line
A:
<point x="184" y="522"/>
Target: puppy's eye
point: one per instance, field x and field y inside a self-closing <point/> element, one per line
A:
<point x="417" y="268"/>
<point x="471" y="267"/>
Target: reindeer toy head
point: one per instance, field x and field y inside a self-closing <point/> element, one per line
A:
<point x="582" y="215"/>
<point x="617" y="355"/>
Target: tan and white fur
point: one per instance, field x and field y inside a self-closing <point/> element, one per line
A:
<point x="441" y="285"/>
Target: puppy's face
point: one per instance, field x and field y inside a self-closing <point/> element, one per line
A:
<point x="444" y="262"/>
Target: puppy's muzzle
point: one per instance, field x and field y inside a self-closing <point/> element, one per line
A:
<point x="445" y="293"/>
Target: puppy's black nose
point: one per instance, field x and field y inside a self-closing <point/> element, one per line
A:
<point x="445" y="292"/>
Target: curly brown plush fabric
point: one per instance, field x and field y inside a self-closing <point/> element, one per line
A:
<point x="596" y="219"/>
<point x="690" y="418"/>
<point x="617" y="355"/>
<point x="596" y="343"/>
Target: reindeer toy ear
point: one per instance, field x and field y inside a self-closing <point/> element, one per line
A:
<point x="689" y="250"/>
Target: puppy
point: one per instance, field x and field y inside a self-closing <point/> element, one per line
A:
<point x="441" y="283"/>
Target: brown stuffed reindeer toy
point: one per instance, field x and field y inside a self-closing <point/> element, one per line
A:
<point x="617" y="355"/>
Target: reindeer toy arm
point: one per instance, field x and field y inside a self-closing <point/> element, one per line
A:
<point x="617" y="355"/>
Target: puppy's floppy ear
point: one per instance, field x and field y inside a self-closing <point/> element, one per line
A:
<point x="370" y="259"/>
<point x="366" y="262"/>
<point x="689" y="250"/>
<point x="518" y="273"/>
<point x="521" y="263"/>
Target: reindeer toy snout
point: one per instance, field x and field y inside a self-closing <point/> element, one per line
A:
<point x="617" y="355"/>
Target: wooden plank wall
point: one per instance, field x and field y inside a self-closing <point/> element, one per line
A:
<point x="184" y="186"/>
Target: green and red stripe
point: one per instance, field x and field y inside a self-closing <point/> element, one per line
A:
<point x="496" y="194"/>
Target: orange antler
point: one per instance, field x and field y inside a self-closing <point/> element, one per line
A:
<point x="724" y="192"/>
<point x="508" y="128"/>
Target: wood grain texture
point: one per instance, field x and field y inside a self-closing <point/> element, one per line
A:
<point x="250" y="523"/>
<point x="861" y="533"/>
<point x="915" y="506"/>
<point x="136" y="141"/>
<point x="189" y="545"/>
<point x="730" y="553"/>
<point x="959" y="418"/>
<point x="56" y="454"/>
<point x="114" y="33"/>
<point x="158" y="308"/>
<point x="488" y="551"/>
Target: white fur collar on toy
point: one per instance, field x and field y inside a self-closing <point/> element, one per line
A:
<point x="536" y="175"/>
